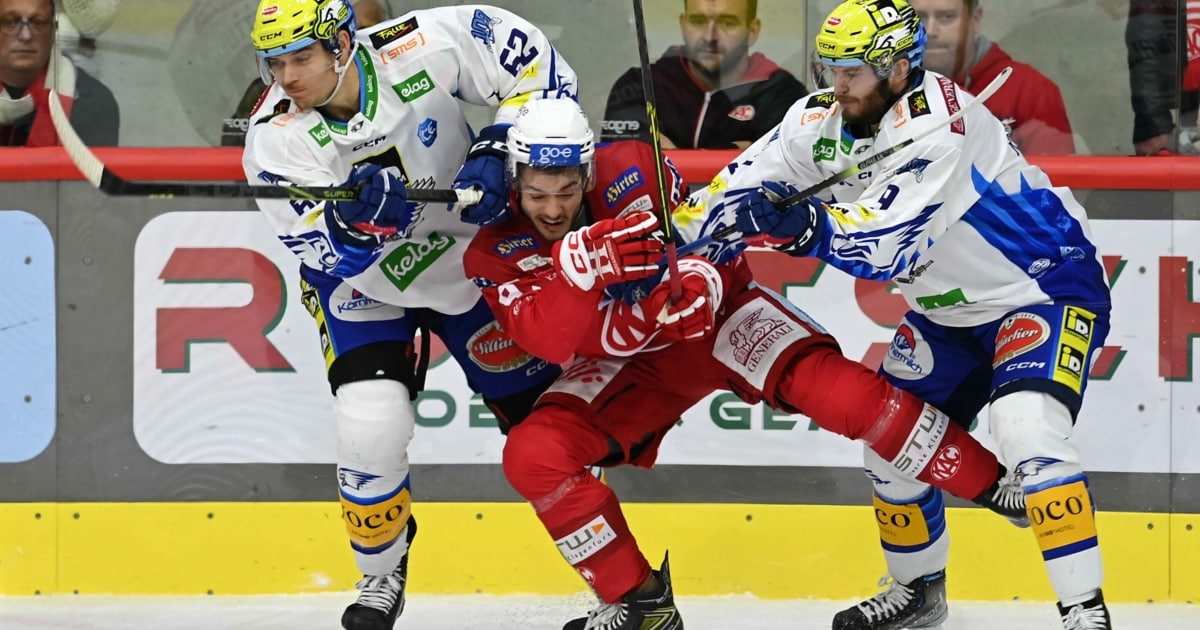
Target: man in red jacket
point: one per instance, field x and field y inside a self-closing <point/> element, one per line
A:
<point x="1029" y="103"/>
<point x="711" y="92"/>
<point x="583" y="220"/>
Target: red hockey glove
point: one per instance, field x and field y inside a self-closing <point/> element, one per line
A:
<point x="609" y="251"/>
<point x="690" y="317"/>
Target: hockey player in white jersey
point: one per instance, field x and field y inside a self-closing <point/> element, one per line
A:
<point x="1009" y="299"/>
<point x="380" y="109"/>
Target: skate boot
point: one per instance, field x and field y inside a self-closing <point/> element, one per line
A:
<point x="919" y="604"/>
<point x="1006" y="498"/>
<point x="381" y="597"/>
<point x="1090" y="615"/>
<point x="644" y="611"/>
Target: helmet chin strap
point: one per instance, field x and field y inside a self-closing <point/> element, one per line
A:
<point x="341" y="74"/>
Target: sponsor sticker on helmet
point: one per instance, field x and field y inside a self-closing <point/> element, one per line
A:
<point x="555" y="154"/>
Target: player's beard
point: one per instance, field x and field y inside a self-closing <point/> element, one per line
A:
<point x="871" y="108"/>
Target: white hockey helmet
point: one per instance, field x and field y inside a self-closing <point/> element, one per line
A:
<point x="551" y="134"/>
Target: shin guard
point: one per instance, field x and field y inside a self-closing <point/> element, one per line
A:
<point x="912" y="523"/>
<point x="545" y="460"/>
<point x="375" y="424"/>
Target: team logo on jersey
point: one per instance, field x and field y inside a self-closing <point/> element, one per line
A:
<point x="1019" y="333"/>
<point x="825" y="150"/>
<point x="622" y="185"/>
<point x="512" y="245"/>
<point x="320" y="133"/>
<point x="354" y="479"/>
<point x="427" y="132"/>
<point x="909" y="357"/>
<point x="390" y="34"/>
<point x="494" y="351"/>
<point x="824" y="100"/>
<point x="918" y="105"/>
<point x="916" y="166"/>
<point x="414" y="87"/>
<point x="742" y="112"/>
<point x="481" y="28"/>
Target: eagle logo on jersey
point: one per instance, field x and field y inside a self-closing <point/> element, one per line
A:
<point x="860" y="251"/>
<point x="354" y="479"/>
<point x="916" y="166"/>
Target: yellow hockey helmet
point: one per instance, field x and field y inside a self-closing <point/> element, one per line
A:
<point x="284" y="26"/>
<point x="874" y="32"/>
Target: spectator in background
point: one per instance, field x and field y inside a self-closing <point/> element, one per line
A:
<point x="367" y="13"/>
<point x="711" y="92"/>
<point x="1152" y="37"/>
<point x="1029" y="104"/>
<point x="30" y="68"/>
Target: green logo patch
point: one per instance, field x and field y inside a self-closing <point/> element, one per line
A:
<point x="825" y="150"/>
<point x="320" y="133"/>
<point x="414" y="87"/>
<point x="412" y="258"/>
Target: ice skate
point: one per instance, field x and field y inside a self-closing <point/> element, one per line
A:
<point x="1090" y="615"/>
<point x="1006" y="498"/>
<point x="645" y="611"/>
<point x="919" y="604"/>
<point x="381" y="597"/>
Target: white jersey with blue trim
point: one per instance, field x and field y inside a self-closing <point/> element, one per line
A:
<point x="960" y="221"/>
<point x="414" y="70"/>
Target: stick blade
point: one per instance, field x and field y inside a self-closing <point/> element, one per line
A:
<point x="86" y="161"/>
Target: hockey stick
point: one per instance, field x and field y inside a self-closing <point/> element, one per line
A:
<point x="652" y="115"/>
<point x="111" y="184"/>
<point x="855" y="169"/>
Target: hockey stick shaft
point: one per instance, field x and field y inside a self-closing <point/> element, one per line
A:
<point x="855" y="169"/>
<point x="110" y="183"/>
<point x="639" y="19"/>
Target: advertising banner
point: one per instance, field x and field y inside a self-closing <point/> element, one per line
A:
<point x="228" y="369"/>
<point x="27" y="348"/>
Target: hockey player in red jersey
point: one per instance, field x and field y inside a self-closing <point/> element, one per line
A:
<point x="583" y="218"/>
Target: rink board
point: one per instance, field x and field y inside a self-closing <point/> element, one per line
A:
<point x="771" y="551"/>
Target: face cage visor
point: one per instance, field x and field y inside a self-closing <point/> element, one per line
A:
<point x="822" y="69"/>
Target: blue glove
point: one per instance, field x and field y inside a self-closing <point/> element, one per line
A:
<point x="633" y="291"/>
<point x="484" y="170"/>
<point x="380" y="211"/>
<point x="791" y="229"/>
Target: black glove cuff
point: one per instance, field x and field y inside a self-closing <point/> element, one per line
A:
<point x="345" y="232"/>
<point x="804" y="243"/>
<point x="486" y="148"/>
<point x="492" y="140"/>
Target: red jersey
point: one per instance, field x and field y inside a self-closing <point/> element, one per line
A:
<point x="1029" y="104"/>
<point x="537" y="307"/>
